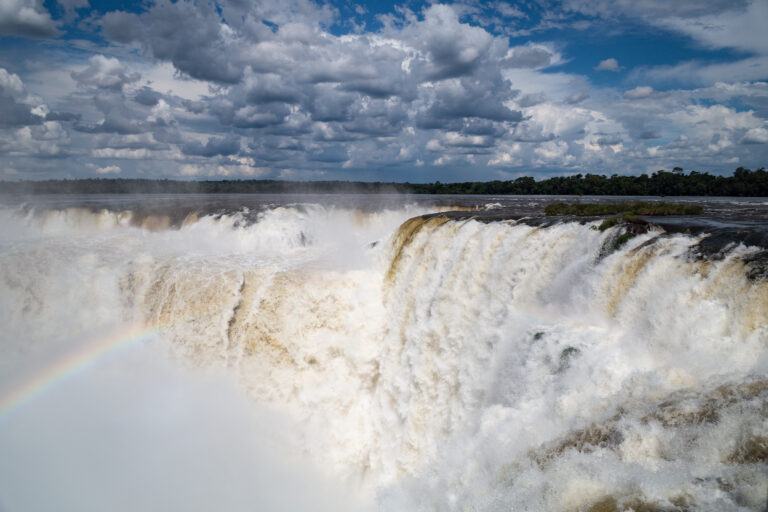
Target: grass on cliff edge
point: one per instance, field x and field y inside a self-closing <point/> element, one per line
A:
<point x="626" y="209"/>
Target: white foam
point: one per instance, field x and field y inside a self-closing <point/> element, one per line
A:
<point x="439" y="371"/>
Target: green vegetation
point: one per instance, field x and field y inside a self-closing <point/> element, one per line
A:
<point x="631" y="217"/>
<point x="629" y="211"/>
<point x="744" y="182"/>
<point x="622" y="239"/>
<point x="608" y="223"/>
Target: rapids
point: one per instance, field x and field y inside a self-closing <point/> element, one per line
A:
<point x="408" y="362"/>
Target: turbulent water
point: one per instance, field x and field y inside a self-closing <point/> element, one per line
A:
<point x="358" y="354"/>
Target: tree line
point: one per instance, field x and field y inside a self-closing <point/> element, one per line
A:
<point x="744" y="182"/>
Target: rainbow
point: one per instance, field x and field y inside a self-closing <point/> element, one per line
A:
<point x="71" y="364"/>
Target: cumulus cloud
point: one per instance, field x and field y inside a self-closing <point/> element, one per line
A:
<point x="532" y="55"/>
<point x="213" y="147"/>
<point x="26" y="18"/>
<point x="122" y="27"/>
<point x="188" y="34"/>
<point x="10" y="83"/>
<point x="147" y="96"/>
<point x="576" y="98"/>
<point x="643" y="92"/>
<point x="130" y="154"/>
<point x="610" y="64"/>
<point x="755" y="136"/>
<point x="62" y="116"/>
<point x="109" y="169"/>
<point x="14" y="111"/>
<point x="454" y="49"/>
<point x="230" y="88"/>
<point x="469" y="98"/>
<point x="105" y="73"/>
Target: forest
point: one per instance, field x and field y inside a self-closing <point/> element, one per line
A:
<point x="743" y="182"/>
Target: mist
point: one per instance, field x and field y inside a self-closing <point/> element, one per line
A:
<point x="138" y="431"/>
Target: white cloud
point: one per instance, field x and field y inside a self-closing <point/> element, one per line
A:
<point x="742" y="29"/>
<point x="610" y="64"/>
<point x="553" y="153"/>
<point x="105" y="73"/>
<point x="132" y="154"/>
<point x="429" y="87"/>
<point x="110" y="169"/>
<point x="702" y="73"/>
<point x="163" y="77"/>
<point x="27" y="18"/>
<point x="10" y="83"/>
<point x="642" y="93"/>
<point x="755" y="136"/>
<point x="533" y="56"/>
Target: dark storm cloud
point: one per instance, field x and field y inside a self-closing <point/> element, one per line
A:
<point x="213" y="147"/>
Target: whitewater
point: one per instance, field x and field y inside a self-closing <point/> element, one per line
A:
<point x="378" y="353"/>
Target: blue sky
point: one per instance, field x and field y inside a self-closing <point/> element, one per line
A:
<point x="411" y="91"/>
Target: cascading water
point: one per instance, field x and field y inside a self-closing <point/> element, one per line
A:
<point x="425" y="363"/>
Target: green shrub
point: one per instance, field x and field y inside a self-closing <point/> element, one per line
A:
<point x="608" y="223"/>
<point x="627" y="210"/>
<point x="622" y="239"/>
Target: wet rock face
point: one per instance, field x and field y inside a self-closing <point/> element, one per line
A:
<point x="637" y="227"/>
<point x="757" y="266"/>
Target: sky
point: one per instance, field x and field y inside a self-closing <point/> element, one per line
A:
<point x="377" y="91"/>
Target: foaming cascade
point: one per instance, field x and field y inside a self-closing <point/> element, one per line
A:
<point x="433" y="362"/>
